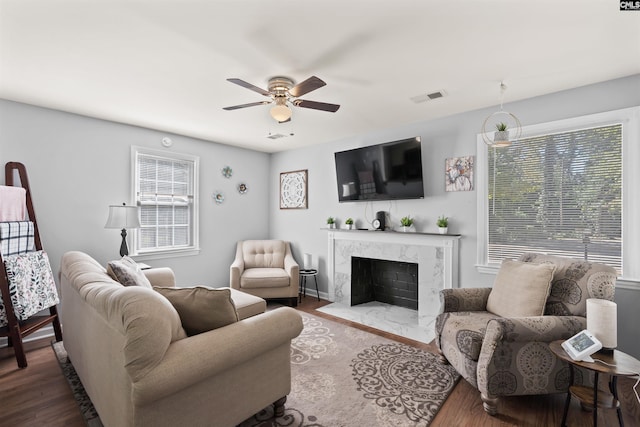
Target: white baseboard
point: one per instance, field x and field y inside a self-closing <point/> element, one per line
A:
<point x="44" y="332"/>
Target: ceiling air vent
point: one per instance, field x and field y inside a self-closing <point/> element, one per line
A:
<point x="276" y="136"/>
<point x="428" y="96"/>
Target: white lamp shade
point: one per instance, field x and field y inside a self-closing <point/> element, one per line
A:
<point x="307" y="262"/>
<point x="602" y="321"/>
<point x="121" y="216"/>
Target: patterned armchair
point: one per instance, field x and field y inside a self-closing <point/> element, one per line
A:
<point x="509" y="356"/>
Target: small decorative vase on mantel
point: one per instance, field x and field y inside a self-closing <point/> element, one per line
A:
<point x="349" y="224"/>
<point x="443" y="230"/>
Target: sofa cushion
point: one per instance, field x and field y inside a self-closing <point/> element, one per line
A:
<point x="247" y="305"/>
<point x="201" y="309"/>
<point x="254" y="278"/>
<point x="575" y="281"/>
<point x="127" y="273"/>
<point x="520" y="289"/>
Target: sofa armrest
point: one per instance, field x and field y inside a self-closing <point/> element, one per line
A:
<point x="162" y="277"/>
<point x="194" y="359"/>
<point x="463" y="299"/>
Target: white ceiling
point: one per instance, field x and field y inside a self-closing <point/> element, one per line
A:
<point x="164" y="64"/>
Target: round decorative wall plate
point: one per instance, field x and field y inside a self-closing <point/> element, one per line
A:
<point x="218" y="197"/>
<point x="242" y="188"/>
<point x="227" y="172"/>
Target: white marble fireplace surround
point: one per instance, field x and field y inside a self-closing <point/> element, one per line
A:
<point x="437" y="259"/>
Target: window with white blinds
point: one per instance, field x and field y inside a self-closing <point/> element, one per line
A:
<point x="568" y="187"/>
<point x="558" y="193"/>
<point x="165" y="190"/>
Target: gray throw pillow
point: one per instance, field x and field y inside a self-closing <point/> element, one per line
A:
<point x="127" y="273"/>
<point x="201" y="309"/>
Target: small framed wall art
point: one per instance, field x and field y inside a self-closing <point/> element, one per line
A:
<point x="293" y="190"/>
<point x="459" y="173"/>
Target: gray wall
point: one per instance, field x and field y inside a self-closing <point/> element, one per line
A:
<point x="441" y="138"/>
<point x="78" y="166"/>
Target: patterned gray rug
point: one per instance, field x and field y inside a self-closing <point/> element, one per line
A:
<point x="341" y="376"/>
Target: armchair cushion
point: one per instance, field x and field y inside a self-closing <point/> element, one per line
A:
<point x="201" y="309"/>
<point x="521" y="289"/>
<point x="264" y="278"/>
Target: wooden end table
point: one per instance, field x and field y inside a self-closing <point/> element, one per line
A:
<point x="616" y="364"/>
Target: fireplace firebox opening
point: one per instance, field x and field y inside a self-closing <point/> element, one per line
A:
<point x="390" y="282"/>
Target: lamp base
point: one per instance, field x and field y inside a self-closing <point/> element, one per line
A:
<point x="124" y="250"/>
<point x="606" y="350"/>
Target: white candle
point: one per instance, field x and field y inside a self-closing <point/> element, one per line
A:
<point x="307" y="262"/>
<point x="602" y="321"/>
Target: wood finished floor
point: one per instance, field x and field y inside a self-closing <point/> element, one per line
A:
<point x="40" y="396"/>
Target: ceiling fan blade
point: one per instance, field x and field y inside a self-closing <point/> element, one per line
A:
<point x="249" y="86"/>
<point x="332" y="108"/>
<point x="312" y="83"/>
<point x="252" y="104"/>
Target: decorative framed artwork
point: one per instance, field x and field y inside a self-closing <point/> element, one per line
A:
<point x="458" y="173"/>
<point x="293" y="190"/>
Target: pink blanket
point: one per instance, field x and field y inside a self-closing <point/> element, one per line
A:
<point x="13" y="203"/>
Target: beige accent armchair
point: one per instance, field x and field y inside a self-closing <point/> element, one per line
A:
<point x="503" y="356"/>
<point x="267" y="269"/>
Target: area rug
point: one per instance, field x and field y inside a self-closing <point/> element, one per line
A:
<point x="342" y="376"/>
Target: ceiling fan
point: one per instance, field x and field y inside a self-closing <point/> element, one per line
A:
<point x="283" y="93"/>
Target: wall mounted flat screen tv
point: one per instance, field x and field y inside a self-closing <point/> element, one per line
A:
<point x="388" y="171"/>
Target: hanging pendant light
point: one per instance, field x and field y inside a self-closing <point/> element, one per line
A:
<point x="501" y="128"/>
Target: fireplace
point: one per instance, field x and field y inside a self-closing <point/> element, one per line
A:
<point x="434" y="256"/>
<point x="390" y="282"/>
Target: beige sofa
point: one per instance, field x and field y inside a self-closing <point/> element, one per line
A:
<point x="140" y="369"/>
<point x="266" y="268"/>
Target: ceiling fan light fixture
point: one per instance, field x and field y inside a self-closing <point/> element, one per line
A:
<point x="280" y="113"/>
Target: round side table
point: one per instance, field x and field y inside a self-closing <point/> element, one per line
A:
<point x="303" y="282"/>
<point x="618" y="364"/>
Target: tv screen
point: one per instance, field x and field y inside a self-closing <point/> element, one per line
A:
<point x="388" y="171"/>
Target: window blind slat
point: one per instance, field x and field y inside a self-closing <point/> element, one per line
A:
<point x="559" y="193"/>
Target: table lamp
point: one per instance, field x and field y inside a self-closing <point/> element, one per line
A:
<point x="602" y="321"/>
<point x="123" y="217"/>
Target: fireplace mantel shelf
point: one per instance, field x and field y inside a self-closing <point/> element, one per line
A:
<point x="417" y="233"/>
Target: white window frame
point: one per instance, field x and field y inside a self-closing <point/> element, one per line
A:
<point x="192" y="249"/>
<point x="630" y="120"/>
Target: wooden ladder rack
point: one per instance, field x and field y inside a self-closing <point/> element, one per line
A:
<point x="16" y="330"/>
